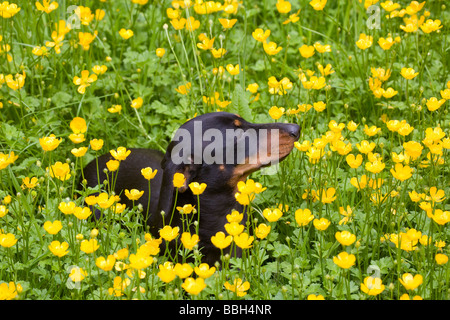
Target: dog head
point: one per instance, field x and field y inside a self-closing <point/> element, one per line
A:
<point x="221" y="148"/>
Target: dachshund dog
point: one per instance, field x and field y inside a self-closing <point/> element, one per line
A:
<point x="219" y="149"/>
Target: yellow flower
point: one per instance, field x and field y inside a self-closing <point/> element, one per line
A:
<point x="411" y="282"/>
<point x="375" y="167"/>
<point x="82" y="213"/>
<point x="441" y="217"/>
<point x="318" y="5"/>
<point x="260" y="35"/>
<point x="271" y="48"/>
<point x="89" y="246"/>
<point x="345" y="237"/>
<point x="276" y="113"/>
<point x="7" y="159"/>
<point x="105" y="264"/>
<point x="413" y="149"/>
<point x="192" y="24"/>
<point x="133" y="194"/>
<point x="204" y="271"/>
<point x="303" y="217"/>
<point x="408" y="73"/>
<point x="390" y="6"/>
<point x="86" y="38"/>
<point x="386" y="43"/>
<point x="79" y="152"/>
<point x="149" y="173"/>
<point x="194" y="286"/>
<point x="183" y="270"/>
<point x="178" y="24"/>
<point x="53" y="227"/>
<point x="113" y="165"/>
<point x="234" y="228"/>
<point x="344" y="260"/>
<point x="3" y="211"/>
<point x="96" y="144"/>
<point x="372" y="286"/>
<point x="441" y="258"/>
<point x="328" y="195"/>
<point x="120" y="154"/>
<point x="235" y="216"/>
<point x="262" y="230"/>
<point x="292" y="18"/>
<point x="433" y="103"/>
<point x="59" y="249"/>
<point x="227" y="23"/>
<point x="218" y="53"/>
<point x="354" y="162"/>
<point x="7" y="240"/>
<point x="77" y="274"/>
<point x="178" y="180"/>
<point x="437" y="195"/>
<point x="401" y="172"/>
<point x="8" y="10"/>
<point x="187" y="209"/>
<point x="137" y="103"/>
<point x="365" y="146"/>
<point x="238" y="286"/>
<point x="166" y="272"/>
<point x="104" y="200"/>
<point x="160" y="52"/>
<point x="49" y="143"/>
<point x="233" y="70"/>
<point x="189" y="241"/>
<point x="206" y="44"/>
<point x="183" y="89"/>
<point x="243" y="240"/>
<point x="78" y="125"/>
<point x="85" y="81"/>
<point x="99" y="70"/>
<point x="67" y="207"/>
<point x="315" y="297"/>
<point x="117" y="108"/>
<point x="431" y="25"/>
<point x="321" y="224"/>
<point x="272" y="215"/>
<point x="220" y="240"/>
<point x="168" y="233"/>
<point x="60" y="171"/>
<point x="126" y="33"/>
<point x="283" y="6"/>
<point x="140" y="261"/>
<point x="306" y="51"/>
<point x="371" y="131"/>
<point x="364" y="42"/>
<point x="8" y="291"/>
<point x="46" y="6"/>
<point x="197" y="188"/>
<point x="85" y="15"/>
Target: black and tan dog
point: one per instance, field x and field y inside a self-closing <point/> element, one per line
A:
<point x="239" y="148"/>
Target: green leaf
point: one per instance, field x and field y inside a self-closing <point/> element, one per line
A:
<point x="239" y="103"/>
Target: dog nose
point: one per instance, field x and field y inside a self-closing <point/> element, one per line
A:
<point x="294" y="130"/>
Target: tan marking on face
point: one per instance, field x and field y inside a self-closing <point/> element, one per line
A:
<point x="237" y="123"/>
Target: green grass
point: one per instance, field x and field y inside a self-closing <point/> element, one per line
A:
<point x="395" y="231"/>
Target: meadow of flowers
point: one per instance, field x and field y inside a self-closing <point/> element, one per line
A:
<point x="359" y="209"/>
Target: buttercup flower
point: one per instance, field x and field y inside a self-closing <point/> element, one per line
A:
<point x="372" y="286"/>
<point x="53" y="227"/>
<point x="149" y="173"/>
<point x="262" y="230"/>
<point x="243" y="240"/>
<point x="89" y="246"/>
<point x="239" y="287"/>
<point x="49" y="143"/>
<point x="306" y="51"/>
<point x="272" y="215"/>
<point x="408" y="73"/>
<point x="344" y="260"/>
<point x="411" y="282"/>
<point x="60" y="170"/>
<point x="321" y="224"/>
<point x="303" y="217"/>
<point x="120" y="154"/>
<point x="105" y="264"/>
<point x="345" y="238"/>
<point x="271" y="48"/>
<point x="133" y="194"/>
<point x="318" y="4"/>
<point x="168" y="233"/>
<point x="166" y="272"/>
<point x="178" y="180"/>
<point x="59" y="249"/>
<point x="260" y="35"/>
<point x="85" y="81"/>
<point x="189" y="241"/>
<point x="204" y="271"/>
<point x="126" y="33"/>
<point x="220" y="240"/>
<point x="197" y="188"/>
<point x="364" y="41"/>
<point x="401" y="172"/>
<point x="194" y="286"/>
<point x="7" y="240"/>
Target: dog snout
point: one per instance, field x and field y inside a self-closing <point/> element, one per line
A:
<point x="293" y="130"/>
